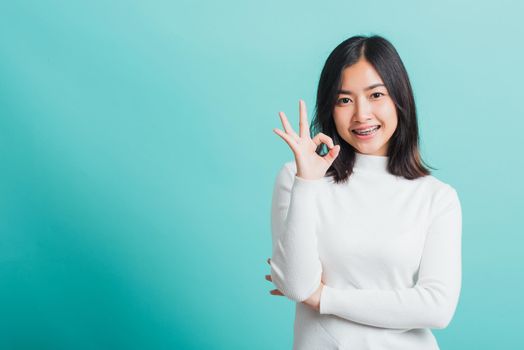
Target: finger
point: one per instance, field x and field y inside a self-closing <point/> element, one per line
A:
<point x="332" y="154"/>
<point x="286" y="125"/>
<point x="323" y="138"/>
<point x="268" y="277"/>
<point x="292" y="143"/>
<point x="304" y="126"/>
<point x="276" y="292"/>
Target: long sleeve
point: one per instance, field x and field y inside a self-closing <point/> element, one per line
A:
<point x="295" y="265"/>
<point x="431" y="303"/>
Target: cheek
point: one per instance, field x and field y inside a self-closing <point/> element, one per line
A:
<point x="387" y="108"/>
<point x="341" y="122"/>
<point x="388" y="114"/>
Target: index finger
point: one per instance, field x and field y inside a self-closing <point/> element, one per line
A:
<point x="304" y="127"/>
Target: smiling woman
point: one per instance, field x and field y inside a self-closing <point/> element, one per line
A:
<point x="365" y="240"/>
<point x="375" y="117"/>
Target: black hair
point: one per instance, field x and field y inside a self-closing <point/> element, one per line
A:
<point x="403" y="149"/>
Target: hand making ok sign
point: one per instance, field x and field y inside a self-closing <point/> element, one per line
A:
<point x="310" y="165"/>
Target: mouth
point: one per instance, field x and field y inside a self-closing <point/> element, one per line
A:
<point x="366" y="132"/>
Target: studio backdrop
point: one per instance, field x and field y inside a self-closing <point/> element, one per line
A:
<point x="137" y="161"/>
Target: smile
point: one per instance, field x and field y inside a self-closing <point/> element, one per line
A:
<point x="367" y="133"/>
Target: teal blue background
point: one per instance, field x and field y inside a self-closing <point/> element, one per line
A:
<point x="137" y="160"/>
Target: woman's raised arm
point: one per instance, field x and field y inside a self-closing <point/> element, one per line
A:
<point x="295" y="266"/>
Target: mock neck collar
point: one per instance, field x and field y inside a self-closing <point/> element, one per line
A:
<point x="378" y="164"/>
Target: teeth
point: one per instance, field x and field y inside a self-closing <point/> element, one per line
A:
<point x="366" y="131"/>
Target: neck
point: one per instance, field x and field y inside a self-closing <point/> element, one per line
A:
<point x="378" y="164"/>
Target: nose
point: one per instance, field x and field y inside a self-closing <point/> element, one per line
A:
<point x="362" y="110"/>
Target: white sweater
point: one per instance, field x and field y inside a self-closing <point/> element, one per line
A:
<point x="388" y="250"/>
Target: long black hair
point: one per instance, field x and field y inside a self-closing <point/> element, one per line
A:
<point x="403" y="149"/>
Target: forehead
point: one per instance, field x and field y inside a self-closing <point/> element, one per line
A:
<point x="359" y="76"/>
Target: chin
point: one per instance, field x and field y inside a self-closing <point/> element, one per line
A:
<point x="372" y="151"/>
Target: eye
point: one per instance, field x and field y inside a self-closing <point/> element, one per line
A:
<point x="343" y="100"/>
<point x="377" y="94"/>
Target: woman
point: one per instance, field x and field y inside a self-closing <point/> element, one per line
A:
<point x="365" y="240"/>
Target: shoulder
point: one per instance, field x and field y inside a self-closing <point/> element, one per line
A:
<point x="285" y="176"/>
<point x="438" y="186"/>
<point x="290" y="166"/>
<point x="287" y="170"/>
<point x="443" y="195"/>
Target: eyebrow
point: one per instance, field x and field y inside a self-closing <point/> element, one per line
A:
<point x="368" y="88"/>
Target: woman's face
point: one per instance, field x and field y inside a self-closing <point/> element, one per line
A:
<point x="364" y="102"/>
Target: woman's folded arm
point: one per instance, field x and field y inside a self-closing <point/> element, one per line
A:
<point x="431" y="303"/>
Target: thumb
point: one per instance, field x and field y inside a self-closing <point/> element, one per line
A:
<point x="332" y="154"/>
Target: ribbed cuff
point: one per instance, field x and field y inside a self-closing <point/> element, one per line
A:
<point x="303" y="188"/>
<point x="306" y="183"/>
<point x="328" y="301"/>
